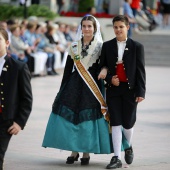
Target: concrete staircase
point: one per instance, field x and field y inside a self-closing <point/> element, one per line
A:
<point x="157" y="49"/>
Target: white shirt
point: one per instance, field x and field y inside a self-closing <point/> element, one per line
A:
<point x="2" y="61"/>
<point x="121" y="47"/>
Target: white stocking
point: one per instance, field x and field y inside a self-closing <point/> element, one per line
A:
<point x="128" y="134"/>
<point x="117" y="140"/>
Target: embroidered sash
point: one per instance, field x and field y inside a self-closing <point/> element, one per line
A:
<point x="88" y="79"/>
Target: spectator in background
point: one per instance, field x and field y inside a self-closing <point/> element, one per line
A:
<point x="7" y="27"/>
<point x="73" y="30"/>
<point x="91" y="11"/>
<point x="3" y="24"/>
<point x="145" y="19"/>
<point x="46" y="47"/>
<point x="60" y="37"/>
<point x="51" y="30"/>
<point x="135" y="5"/>
<point x="40" y="57"/>
<point x="74" y="5"/>
<point x="129" y="14"/>
<point x="18" y="44"/>
<point x="67" y="33"/>
<point x="62" y="42"/>
<point x="60" y="4"/>
<point x="106" y="6"/>
<point x="28" y="53"/>
<point x="144" y="4"/>
<point x="33" y="19"/>
<point x="10" y="22"/>
<point x="24" y="22"/>
<point x="99" y="6"/>
<point x="165" y="5"/>
<point x="49" y="22"/>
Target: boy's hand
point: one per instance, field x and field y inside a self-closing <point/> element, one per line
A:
<point x="139" y="99"/>
<point x="14" y="129"/>
<point x="115" y="80"/>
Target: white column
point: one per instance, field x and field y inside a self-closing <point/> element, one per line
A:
<point x="53" y="6"/>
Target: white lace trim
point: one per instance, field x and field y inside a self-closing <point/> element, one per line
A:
<point x="93" y="53"/>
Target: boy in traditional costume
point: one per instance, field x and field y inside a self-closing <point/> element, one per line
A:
<point x="124" y="60"/>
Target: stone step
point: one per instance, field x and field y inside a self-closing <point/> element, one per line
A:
<point x="157" y="48"/>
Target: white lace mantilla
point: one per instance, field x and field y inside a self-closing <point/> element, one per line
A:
<point x="93" y="53"/>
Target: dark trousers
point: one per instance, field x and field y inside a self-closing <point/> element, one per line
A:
<point x="121" y="105"/>
<point x="50" y="62"/>
<point x="4" y="138"/>
<point x="30" y="62"/>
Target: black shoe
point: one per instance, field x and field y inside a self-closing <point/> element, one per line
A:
<point x="152" y="27"/>
<point x="71" y="159"/>
<point x="85" y="161"/>
<point x="50" y="73"/>
<point x="54" y="72"/>
<point x="114" y="163"/>
<point x="129" y="155"/>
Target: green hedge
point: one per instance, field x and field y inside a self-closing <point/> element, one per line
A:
<point x="85" y="4"/>
<point x="10" y="12"/>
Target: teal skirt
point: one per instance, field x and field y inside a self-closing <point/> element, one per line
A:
<point x="90" y="136"/>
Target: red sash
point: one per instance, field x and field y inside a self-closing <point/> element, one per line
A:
<point x="0" y="109"/>
<point x="120" y="71"/>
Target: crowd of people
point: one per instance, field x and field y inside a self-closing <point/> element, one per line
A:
<point x="42" y="45"/>
<point x="139" y="15"/>
<point x="165" y="10"/>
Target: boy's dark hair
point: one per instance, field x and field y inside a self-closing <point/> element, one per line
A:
<point x="121" y="18"/>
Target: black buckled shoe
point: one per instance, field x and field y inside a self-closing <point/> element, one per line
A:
<point x="114" y="163"/>
<point x="71" y="159"/>
<point x="85" y="161"/>
<point x="129" y="155"/>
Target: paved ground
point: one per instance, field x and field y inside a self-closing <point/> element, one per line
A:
<point x="151" y="140"/>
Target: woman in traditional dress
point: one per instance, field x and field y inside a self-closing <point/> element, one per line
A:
<point x="76" y="122"/>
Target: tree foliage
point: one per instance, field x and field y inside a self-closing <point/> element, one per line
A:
<point x="85" y="4"/>
<point x="10" y="11"/>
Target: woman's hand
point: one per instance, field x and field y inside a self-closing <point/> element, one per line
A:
<point x="102" y="74"/>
